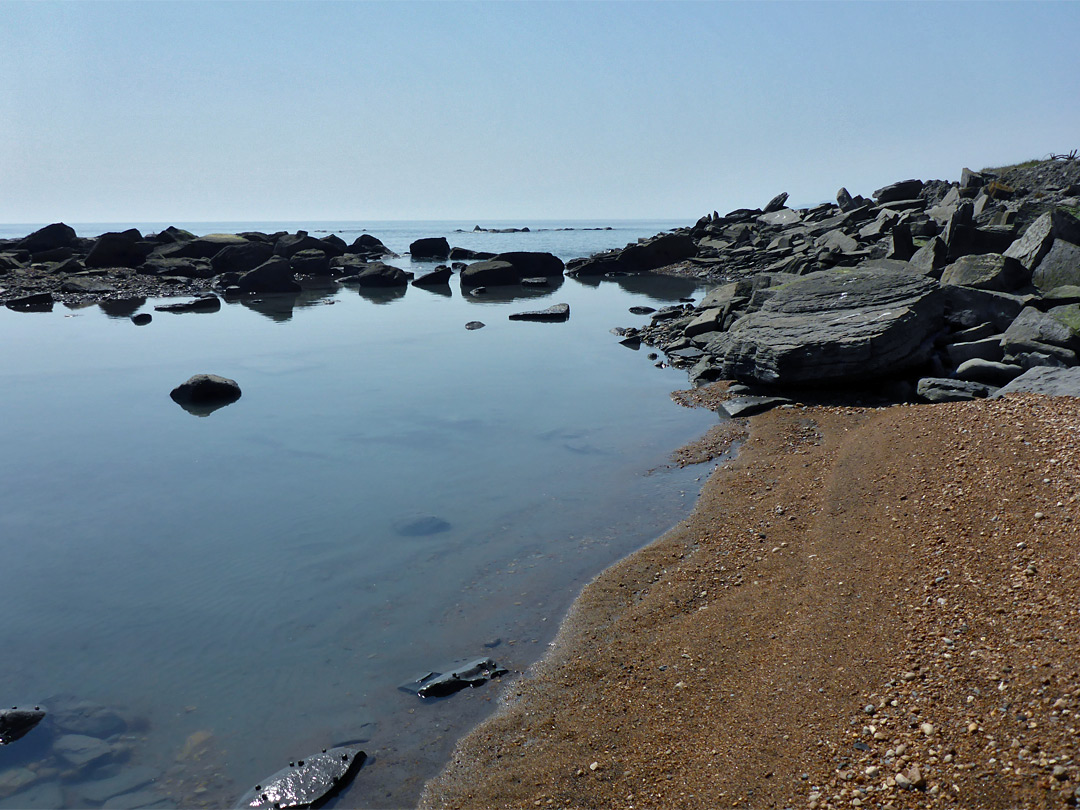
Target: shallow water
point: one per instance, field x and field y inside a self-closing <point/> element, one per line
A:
<point x="240" y="588"/>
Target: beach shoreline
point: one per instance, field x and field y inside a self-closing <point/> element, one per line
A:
<point x="858" y="613"/>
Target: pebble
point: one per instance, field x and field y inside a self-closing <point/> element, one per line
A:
<point x="927" y="729"/>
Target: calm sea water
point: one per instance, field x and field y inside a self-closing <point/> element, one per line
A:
<point x="239" y="587"/>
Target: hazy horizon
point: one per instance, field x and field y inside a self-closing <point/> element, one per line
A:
<point x="502" y="112"/>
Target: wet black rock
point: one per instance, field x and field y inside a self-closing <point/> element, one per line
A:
<point x="203" y="394"/>
<point x="50" y="237"/>
<point x="553" y="314"/>
<point x="310" y="782"/>
<point x="123" y="249"/>
<point x="204" y="303"/>
<point x="421" y="526"/>
<point x="489" y="272"/>
<point x="454" y="679"/>
<point x="459" y="253"/>
<point x="275" y="275"/>
<point x="16" y="723"/>
<point x="474" y="325"/>
<point x="439" y="277"/>
<point x="36" y="302"/>
<point x="240" y="258"/>
<point x="142" y="319"/>
<point x="382" y="275"/>
<point x="431" y="248"/>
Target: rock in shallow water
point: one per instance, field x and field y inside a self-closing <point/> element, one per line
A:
<point x="16" y="723"/>
<point x="553" y="314"/>
<point x="421" y="526"/>
<point x="205" y="393"/>
<point x="442" y="684"/>
<point x="310" y="782"/>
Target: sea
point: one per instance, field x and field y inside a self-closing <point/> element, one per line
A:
<point x="392" y="495"/>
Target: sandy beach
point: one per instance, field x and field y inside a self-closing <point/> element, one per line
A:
<point x="868" y="607"/>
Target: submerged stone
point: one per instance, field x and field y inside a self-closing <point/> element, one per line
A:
<point x="310" y="782"/>
<point x="421" y="526"/>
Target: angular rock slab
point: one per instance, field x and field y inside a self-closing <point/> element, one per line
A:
<point x="310" y="782"/>
<point x="1054" y="382"/>
<point x="442" y="684"/>
<point x="16" y="723"/>
<point x="834" y="326"/>
<point x="205" y="393"/>
<point x="553" y="314"/>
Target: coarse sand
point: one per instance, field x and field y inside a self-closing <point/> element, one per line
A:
<point x="875" y="608"/>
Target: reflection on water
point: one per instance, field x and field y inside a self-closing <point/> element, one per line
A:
<point x="393" y="492"/>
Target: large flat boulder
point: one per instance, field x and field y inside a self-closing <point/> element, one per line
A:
<point x="273" y="275"/>
<point x="1039" y="238"/>
<point x="834" y="326"/>
<point x="1054" y="382"/>
<point x="988" y="271"/>
<point x="1060" y="267"/>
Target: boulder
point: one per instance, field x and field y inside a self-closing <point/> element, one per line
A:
<point x="553" y="314"/>
<point x="310" y="782"/>
<point x="124" y="249"/>
<point x="204" y="303"/>
<point x="156" y="265"/>
<point x="834" y="326"/>
<point x="80" y="751"/>
<point x="966" y="307"/>
<point x="57" y="235"/>
<point x="292" y="243"/>
<point x="203" y="247"/>
<point x="34" y="302"/>
<point x="205" y="393"/>
<point x="367" y="245"/>
<point x="272" y="276"/>
<point x="1060" y="267"/>
<point x="16" y="723"/>
<point x="460" y="253"/>
<point x="931" y="258"/>
<point x="988" y="371"/>
<point x="843" y="198"/>
<point x="837" y="240"/>
<point x="435" y="247"/>
<point x="971" y="180"/>
<point x="454" y="679"/>
<point x="1033" y="326"/>
<point x="988" y="348"/>
<point x="378" y="274"/>
<point x="241" y="257"/>
<point x="1039" y="238"/>
<point x="707" y="320"/>
<point x="1054" y="382"/>
<point x="172" y="235"/>
<point x="493" y="273"/>
<point x="439" y="277"/>
<point x="904" y="190"/>
<point x="656" y="253"/>
<point x="310" y="262"/>
<point x="988" y="271"/>
<point x="944" y="389"/>
<point x="529" y="264"/>
<point x="776" y="203"/>
<point x="87" y="285"/>
<point x="901" y="245"/>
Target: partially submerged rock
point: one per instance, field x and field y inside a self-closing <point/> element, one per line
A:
<point x="442" y="684"/>
<point x="553" y="314"/>
<point x="16" y="723"/>
<point x="310" y="782"/>
<point x="205" y="393"/>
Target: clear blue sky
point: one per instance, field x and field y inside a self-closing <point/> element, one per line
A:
<point x="162" y="111"/>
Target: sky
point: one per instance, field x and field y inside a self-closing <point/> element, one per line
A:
<point x="513" y="111"/>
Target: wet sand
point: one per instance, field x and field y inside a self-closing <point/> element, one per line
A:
<point x="873" y="608"/>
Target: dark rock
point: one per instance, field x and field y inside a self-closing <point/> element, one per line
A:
<point x="460" y="253"/>
<point x="1053" y="382"/>
<point x="642" y="310"/>
<point x="528" y="264"/>
<point x="202" y="247"/>
<point x="1039" y="238"/>
<point x="204" y="303"/>
<point x="967" y="306"/>
<point x="553" y="314"/>
<point x="87" y="285"/>
<point x="931" y="258"/>
<point x="170" y="266"/>
<point x="35" y="302"/>
<point x="435" y="247"/>
<point x="1031" y="325"/>
<point x="752" y="405"/>
<point x="311" y="782"/>
<point x="988" y="348"/>
<point x="988" y="271"/>
<point x="904" y="190"/>
<point x="382" y="275"/>
<point x="901" y="245"/>
<point x="240" y="258"/>
<point x="988" y="371"/>
<point x="493" y="272"/>
<point x="310" y="262"/>
<point x="57" y="235"/>
<point x="125" y="249"/>
<point x="368" y="245"/>
<point x="421" y="526"/>
<point x="16" y="723"/>
<point x="438" y="277"/>
<point x="172" y="235"/>
<point x="473" y="325"/>
<point x="971" y="180"/>
<point x="834" y="326"/>
<point x="81" y="751"/>
<point x="291" y="244"/>
<point x="843" y="198"/>
<point x="205" y="393"/>
<point x="943" y="389"/>
<point x="273" y="275"/>
<point x="142" y="319"/>
<point x="1060" y="266"/>
<point x="438" y="684"/>
<point x="59" y="254"/>
<point x="121" y="307"/>
<point x="776" y="203"/>
<point x="656" y="253"/>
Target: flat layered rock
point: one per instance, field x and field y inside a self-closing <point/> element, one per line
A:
<point x="1054" y="382"/>
<point x="309" y="782"/>
<point x="553" y="314"/>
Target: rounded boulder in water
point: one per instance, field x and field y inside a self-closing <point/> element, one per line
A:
<point x="421" y="526"/>
<point x="205" y="393"/>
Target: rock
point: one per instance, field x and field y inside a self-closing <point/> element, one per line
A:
<point x="536" y="282"/>
<point x="1031" y="325"/>
<point x="943" y="389"/>
<point x="656" y="253"/>
<point x="79" y="751"/>
<point x="1060" y="266"/>
<point x="432" y="248"/>
<point x="639" y="310"/>
<point x="87" y="285"/>
<point x="1053" y="382"/>
<point x="438" y="277"/>
<point x="423" y="526"/>
<point x="57" y="235"/>
<point x="125" y="249"/>
<point x="205" y="393"/>
<point x="988" y="348"/>
<point x="843" y="198"/>
<point x="139" y="800"/>
<point x="15" y="779"/>
<point x="707" y="320"/>
<point x="833" y="326"/>
<point x="35" y="302"/>
<point x="901" y="245"/>
<point x="142" y="319"/>
<point x="89" y="719"/>
<point x="172" y="235"/>
<point x="971" y="180"/>
<point x="837" y="240"/>
<point x="904" y="190"/>
<point x="202" y="247"/>
<point x="988" y="371"/>
<point x="204" y="303"/>
<point x="776" y="203"/>
<point x="240" y="258"/>
<point x="368" y="245"/>
<point x="127" y="781"/>
<point x="931" y="258"/>
<point x="1039" y="238"/>
<point x="382" y="275"/>
<point x="184" y="268"/>
<point x="291" y="244"/>
<point x="988" y="271"/>
<point x="275" y="275"/>
<point x="311" y="782"/>
<point x="529" y="264"/>
<point x="474" y="325"/>
<point x="492" y="273"/>
<point x="460" y="253"/>
<point x="16" y="723"/>
<point x="752" y="405"/>
<point x="553" y="314"/>
<point x="967" y="306"/>
<point x="41" y="796"/>
<point x="438" y="684"/>
<point x="310" y="262"/>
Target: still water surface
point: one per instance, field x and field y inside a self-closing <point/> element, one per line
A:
<point x="239" y="586"/>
